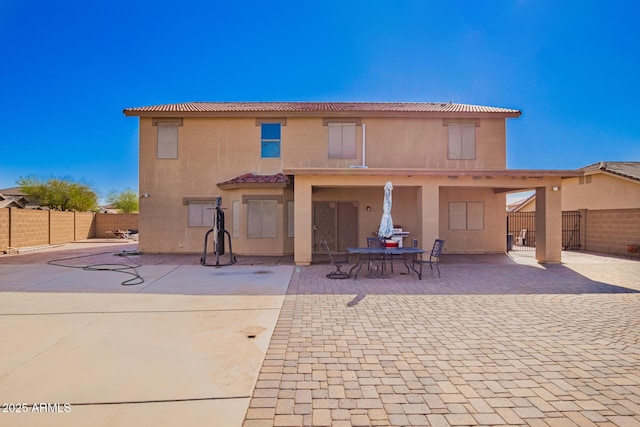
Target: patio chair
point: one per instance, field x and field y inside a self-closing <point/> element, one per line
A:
<point x="434" y="256"/>
<point x="337" y="263"/>
<point x="376" y="242"/>
<point x="521" y="240"/>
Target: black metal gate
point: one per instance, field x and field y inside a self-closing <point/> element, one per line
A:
<point x="521" y="226"/>
<point x="571" y="230"/>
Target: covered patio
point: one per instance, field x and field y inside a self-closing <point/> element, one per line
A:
<point x="423" y="204"/>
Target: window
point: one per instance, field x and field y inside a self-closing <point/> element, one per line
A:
<point x="342" y="140"/>
<point x="235" y="215"/>
<point x="462" y="141"/>
<point x="262" y="218"/>
<point x="270" y="136"/>
<point x="584" y="179"/>
<point x="466" y="216"/>
<point x="201" y="214"/>
<point x="167" y="140"/>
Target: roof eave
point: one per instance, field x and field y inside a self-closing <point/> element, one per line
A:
<point x="363" y="113"/>
<point x="236" y="185"/>
<point x="517" y="173"/>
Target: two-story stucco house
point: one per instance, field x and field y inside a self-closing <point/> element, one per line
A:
<point x="292" y="174"/>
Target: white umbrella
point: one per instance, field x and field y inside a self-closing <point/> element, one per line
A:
<point x="386" y="223"/>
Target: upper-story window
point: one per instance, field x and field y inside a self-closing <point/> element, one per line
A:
<point x="462" y="141"/>
<point x="342" y="140"/>
<point x="167" y="138"/>
<point x="270" y="138"/>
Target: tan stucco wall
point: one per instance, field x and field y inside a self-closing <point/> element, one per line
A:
<point x="213" y="150"/>
<point x="491" y="239"/>
<point x="422" y="208"/>
<point x="604" y="192"/>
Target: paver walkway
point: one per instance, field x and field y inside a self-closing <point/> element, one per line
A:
<point x="498" y="341"/>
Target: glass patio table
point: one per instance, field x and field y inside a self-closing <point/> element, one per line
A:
<point x="410" y="256"/>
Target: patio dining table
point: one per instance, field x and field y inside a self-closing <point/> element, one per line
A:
<point x="410" y="256"/>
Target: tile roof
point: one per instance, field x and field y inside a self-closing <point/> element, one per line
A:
<point x="253" y="180"/>
<point x="321" y="107"/>
<point x="12" y="191"/>
<point x="629" y="170"/>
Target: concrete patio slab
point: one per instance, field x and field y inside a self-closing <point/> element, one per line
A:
<point x="184" y="346"/>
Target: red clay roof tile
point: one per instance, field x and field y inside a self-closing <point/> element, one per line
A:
<point x="284" y="107"/>
<point x="251" y="178"/>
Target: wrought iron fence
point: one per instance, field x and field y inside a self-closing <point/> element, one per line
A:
<point x="522" y="228"/>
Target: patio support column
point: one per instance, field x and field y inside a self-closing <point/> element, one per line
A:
<point x="302" y="228"/>
<point x="548" y="224"/>
<point x="429" y="213"/>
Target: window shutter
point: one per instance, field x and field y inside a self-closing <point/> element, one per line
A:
<point x="167" y="141"/>
<point x="342" y="140"/>
<point x="455" y="142"/>
<point x="254" y="218"/>
<point x="195" y="214"/>
<point x="457" y="216"/>
<point x="335" y="140"/>
<point x="475" y="216"/>
<point x="348" y="140"/>
<point x="468" y="141"/>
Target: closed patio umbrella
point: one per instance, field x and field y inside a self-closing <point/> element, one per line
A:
<point x="386" y="223"/>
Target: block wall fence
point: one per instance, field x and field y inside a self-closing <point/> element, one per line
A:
<point x="20" y="228"/>
<point x="606" y="231"/>
<point x="610" y="231"/>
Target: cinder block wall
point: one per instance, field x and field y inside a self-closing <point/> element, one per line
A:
<point x="28" y="228"/>
<point x="21" y="228"/>
<point x="85" y="225"/>
<point x="609" y="231"/>
<point x="61" y="227"/>
<point x="4" y="229"/>
<point x="110" y="222"/>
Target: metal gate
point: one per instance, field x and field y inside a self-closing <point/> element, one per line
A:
<point x="571" y="230"/>
<point x="522" y="228"/>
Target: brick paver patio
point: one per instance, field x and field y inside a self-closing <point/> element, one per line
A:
<point x="489" y="343"/>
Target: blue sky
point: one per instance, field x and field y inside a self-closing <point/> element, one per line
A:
<point x="69" y="68"/>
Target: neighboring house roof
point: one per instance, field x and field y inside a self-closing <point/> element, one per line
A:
<point x="12" y="191"/>
<point x="13" y="198"/>
<point x="12" y="201"/>
<point x="629" y="170"/>
<point x="321" y="107"/>
<point x="251" y="180"/>
<point x="519" y="204"/>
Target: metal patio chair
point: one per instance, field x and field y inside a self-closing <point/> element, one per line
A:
<point x="376" y="242"/>
<point x="434" y="256"/>
<point x="337" y="263"/>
